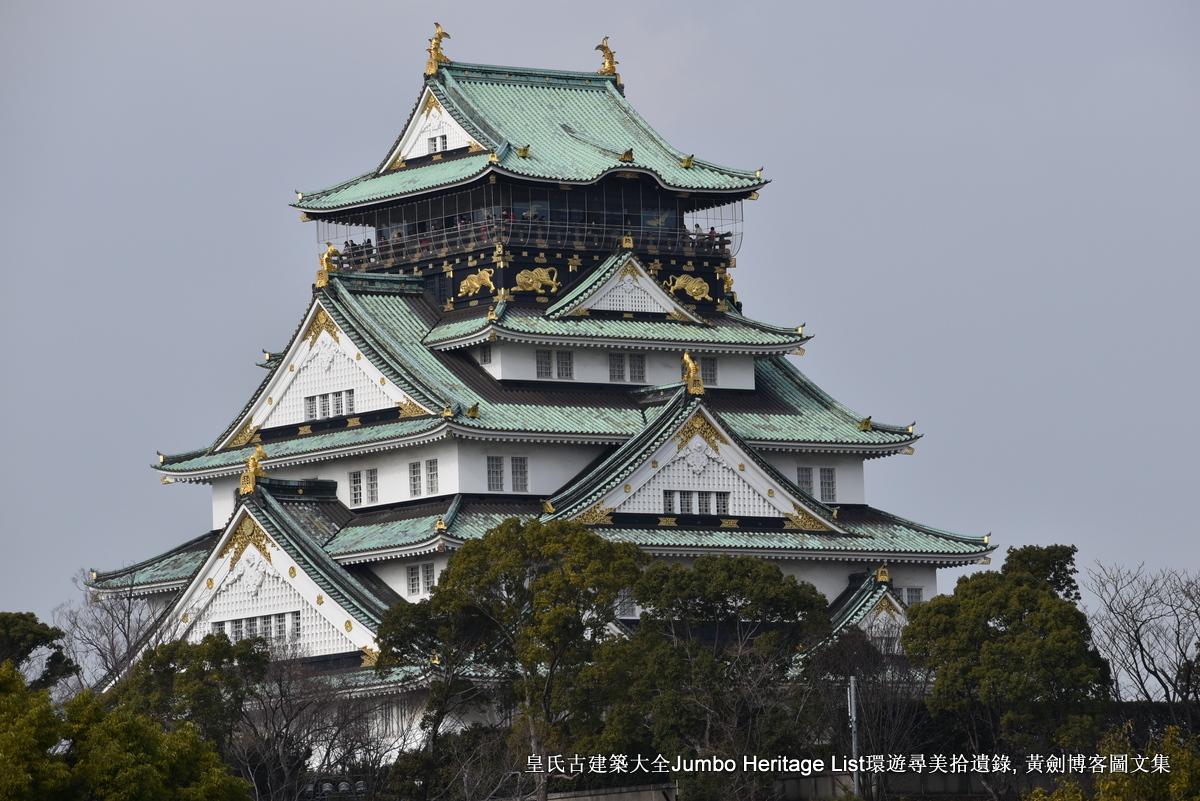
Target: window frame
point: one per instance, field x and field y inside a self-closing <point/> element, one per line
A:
<point x="495" y="469"/>
<point x="431" y="476"/>
<point x="414" y="479"/>
<point x="564" y="365"/>
<point x="354" y="480"/>
<point x="521" y="485"/>
<point x="829" y="473"/>
<point x="543" y="364"/>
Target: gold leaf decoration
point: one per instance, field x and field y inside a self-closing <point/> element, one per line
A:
<point x="248" y="533"/>
<point x="244" y="436"/>
<point x="410" y="408"/>
<point x="597" y="515"/>
<point x="802" y="519"/>
<point x="321" y="321"/>
<point x="698" y="426"/>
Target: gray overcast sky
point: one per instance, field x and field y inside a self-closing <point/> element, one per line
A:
<point x="986" y="212"/>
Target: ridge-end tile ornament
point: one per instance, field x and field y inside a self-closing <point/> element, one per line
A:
<point x="328" y="264"/>
<point x="254" y="471"/>
<point x="436" y="56"/>
<point x="695" y="386"/>
<point x="608" y="64"/>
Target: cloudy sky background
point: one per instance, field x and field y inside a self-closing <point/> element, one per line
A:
<point x="988" y="213"/>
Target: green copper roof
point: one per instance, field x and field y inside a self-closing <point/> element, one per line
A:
<point x="174" y="567"/>
<point x="523" y="323"/>
<point x="850" y="608"/>
<point x="577" y="125"/>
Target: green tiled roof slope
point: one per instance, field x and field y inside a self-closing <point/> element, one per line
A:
<point x="176" y="565"/>
<point x="576" y="125"/>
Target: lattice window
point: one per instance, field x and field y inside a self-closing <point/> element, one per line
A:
<point x="431" y="476"/>
<point x="625" y="606"/>
<point x="337" y="404"/>
<point x="251" y="627"/>
<point x="913" y="595"/>
<point x="349" y="401"/>
<point x="414" y="580"/>
<point x="427" y="577"/>
<point x="708" y="370"/>
<point x="616" y="367"/>
<point x="543" y="360"/>
<point x="722" y="503"/>
<point x="218" y="627"/>
<point x="373" y="485"/>
<point x="804" y="479"/>
<point x="828" y="485"/>
<point x="668" y="502"/>
<point x="414" y="479"/>
<point x="564" y="361"/>
<point x="520" y="474"/>
<point x="356" y="487"/>
<point x="485" y="354"/>
<point x="323" y="403"/>
<point x="685" y="502"/>
<point x="296" y="625"/>
<point x="495" y="474"/>
<point x="310" y="407"/>
<point x="704" y="503"/>
<point x="281" y="621"/>
<point x="637" y="368"/>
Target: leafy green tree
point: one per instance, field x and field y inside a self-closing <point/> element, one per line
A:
<point x="205" y="685"/>
<point x="709" y="670"/>
<point x="24" y="639"/>
<point x="91" y="752"/>
<point x="1052" y="564"/>
<point x="545" y="595"/>
<point x="1015" y="669"/>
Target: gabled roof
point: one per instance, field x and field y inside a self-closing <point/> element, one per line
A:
<point x="683" y="417"/>
<point x="572" y="127"/>
<point x="856" y="602"/>
<point x="525" y="324"/>
<point x="623" y="266"/>
<point x="166" y="572"/>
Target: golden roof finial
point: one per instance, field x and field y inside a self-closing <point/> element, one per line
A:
<point x="882" y="576"/>
<point x="436" y="56"/>
<point x="609" y="65"/>
<point x="327" y="266"/>
<point x="691" y="375"/>
<point x="865" y="424"/>
<point x="253" y="471"/>
<point x="440" y="525"/>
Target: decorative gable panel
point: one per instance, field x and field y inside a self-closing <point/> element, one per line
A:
<point x="431" y="121"/>
<point x="629" y="288"/>
<point x="327" y="368"/>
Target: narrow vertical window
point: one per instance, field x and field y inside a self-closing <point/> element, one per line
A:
<point x="265" y="626"/>
<point x="722" y="503"/>
<point x="310" y="407"/>
<point x="414" y="479"/>
<point x="495" y="474"/>
<point x="295" y="625"/>
<point x="251" y="627"/>
<point x="828" y="485"/>
<point x="442" y="141"/>
<point x="235" y="630"/>
<point x="281" y="626"/>
<point x="616" y="367"/>
<point x="637" y="368"/>
<point x="543" y="358"/>
<point x="431" y="477"/>
<point x="565" y="362"/>
<point x="685" y="502"/>
<point x="337" y="404"/>
<point x="804" y="479"/>
<point x="625" y="606"/>
<point x="485" y="353"/>
<point x="324" y="400"/>
<point x="708" y="370"/>
<point x="431" y="145"/>
<point x="373" y="485"/>
<point x="349" y="401"/>
<point x="520" y="474"/>
<point x="427" y="577"/>
<point x="704" y="503"/>
<point x="414" y="580"/>
<point x="668" y="502"/>
<point x="356" y="495"/>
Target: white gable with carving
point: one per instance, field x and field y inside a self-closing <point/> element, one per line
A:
<point x="249" y="586"/>
<point x="431" y="122"/>
<point x="701" y="458"/>
<point x="631" y="289"/>
<point x="326" y="370"/>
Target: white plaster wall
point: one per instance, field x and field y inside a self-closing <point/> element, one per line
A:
<point x="393" y="471"/>
<point x="394" y="572"/>
<point x="327" y="368"/>
<point x="849" y="477"/>
<point x="517" y="361"/>
<point x="550" y="466"/>
<point x="434" y="123"/>
<point x="224" y="500"/>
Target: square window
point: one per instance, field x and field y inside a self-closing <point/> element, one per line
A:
<point x="668" y="502"/>
<point x="913" y="595"/>
<point x="495" y="474"/>
<point x="356" y="496"/>
<point x="485" y="354"/>
<point x="708" y="370"/>
<point x="431" y="476"/>
<point x="637" y="368"/>
<point x="218" y="627"/>
<point x="564" y="360"/>
<point x="828" y="485"/>
<point x="414" y="479"/>
<point x="520" y="474"/>
<point x="427" y="577"/>
<point x="722" y="503"/>
<point x="414" y="580"/>
<point x="373" y="485"/>
<point x="616" y="367"/>
<point x="685" y="503"/>
<point x="349" y="401"/>
<point x="543" y="364"/>
<point x="804" y="479"/>
<point x="310" y="407"/>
